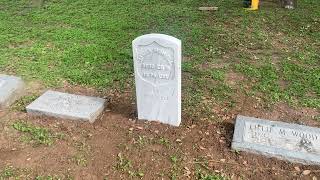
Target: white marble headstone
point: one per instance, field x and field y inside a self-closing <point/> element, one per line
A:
<point x="157" y="66"/>
<point x="291" y="142"/>
<point x="67" y="106"/>
<point x="11" y="89"/>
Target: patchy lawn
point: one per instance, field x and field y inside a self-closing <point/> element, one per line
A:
<point x="264" y="64"/>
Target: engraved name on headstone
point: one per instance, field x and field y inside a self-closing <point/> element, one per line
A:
<point x="157" y="66"/>
<point x="292" y="142"/>
<point x="11" y="89"/>
<point x="67" y="106"/>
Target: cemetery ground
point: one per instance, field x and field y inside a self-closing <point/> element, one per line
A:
<point x="262" y="64"/>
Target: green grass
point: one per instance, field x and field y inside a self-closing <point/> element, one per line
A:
<point x="11" y="172"/>
<point x="80" y="160"/>
<point x="125" y="165"/>
<point x="89" y="43"/>
<point x="204" y="176"/>
<point x="36" y="135"/>
<point x="49" y="177"/>
<point x="8" y="172"/>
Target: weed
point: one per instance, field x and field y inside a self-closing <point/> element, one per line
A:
<point x="82" y="146"/>
<point x="23" y="102"/>
<point x="175" y="168"/>
<point x="53" y="177"/>
<point x="201" y="175"/>
<point x="141" y="141"/>
<point x="80" y="160"/>
<point x="165" y="142"/>
<point x="36" y="134"/>
<point x="7" y="173"/>
<point x="174" y="159"/>
<point x="125" y="165"/>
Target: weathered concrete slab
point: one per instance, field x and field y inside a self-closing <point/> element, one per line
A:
<point x="157" y="67"/>
<point x="291" y="142"/>
<point x="11" y="89"/>
<point x="67" y="106"/>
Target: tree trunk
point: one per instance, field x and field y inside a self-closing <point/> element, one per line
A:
<point x="289" y="4"/>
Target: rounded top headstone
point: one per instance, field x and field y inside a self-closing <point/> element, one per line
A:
<point x="162" y="38"/>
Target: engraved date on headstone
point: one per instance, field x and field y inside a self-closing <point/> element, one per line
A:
<point x="157" y="65"/>
<point x="286" y="141"/>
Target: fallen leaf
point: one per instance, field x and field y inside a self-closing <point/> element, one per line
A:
<point x="211" y="164"/>
<point x="297" y="168"/>
<point x="306" y="172"/>
<point x="187" y="172"/>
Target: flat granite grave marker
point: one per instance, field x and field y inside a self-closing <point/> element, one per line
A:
<point x="291" y="142"/>
<point x="11" y="89"/>
<point x="157" y="66"/>
<point x="67" y="106"/>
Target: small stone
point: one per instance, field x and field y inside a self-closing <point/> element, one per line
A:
<point x="179" y="140"/>
<point x="306" y="172"/>
<point x="223" y="160"/>
<point x="139" y="127"/>
<point x="202" y="148"/>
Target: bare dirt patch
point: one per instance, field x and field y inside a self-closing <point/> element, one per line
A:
<point x="118" y="146"/>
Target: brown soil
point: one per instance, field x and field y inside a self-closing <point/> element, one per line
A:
<point x="150" y="147"/>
